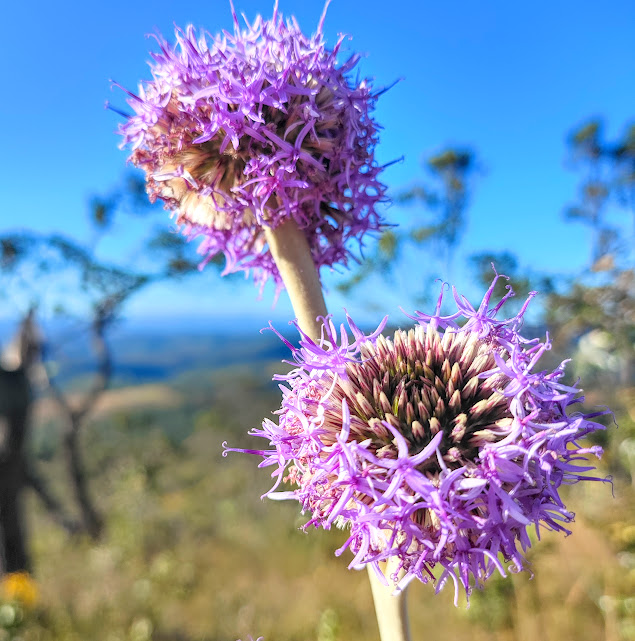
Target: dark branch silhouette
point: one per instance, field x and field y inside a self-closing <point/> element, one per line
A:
<point x="15" y="404"/>
<point x="59" y="267"/>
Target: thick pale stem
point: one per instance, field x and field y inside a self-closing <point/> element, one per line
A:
<point x="391" y="611"/>
<point x="290" y="250"/>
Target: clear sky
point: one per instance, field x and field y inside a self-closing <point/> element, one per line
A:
<point x="508" y="79"/>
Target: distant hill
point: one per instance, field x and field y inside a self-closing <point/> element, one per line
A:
<point x="150" y="357"/>
<point x="157" y="351"/>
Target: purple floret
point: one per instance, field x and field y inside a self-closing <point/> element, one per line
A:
<point x="244" y="130"/>
<point x="437" y="449"/>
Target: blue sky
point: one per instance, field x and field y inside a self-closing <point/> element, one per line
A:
<point x="508" y="79"/>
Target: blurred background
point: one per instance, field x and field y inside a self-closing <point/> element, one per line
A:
<point x="514" y="130"/>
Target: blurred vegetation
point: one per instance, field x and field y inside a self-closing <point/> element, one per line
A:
<point x="599" y="305"/>
<point x="190" y="552"/>
<point x="67" y="275"/>
<point x="437" y="224"/>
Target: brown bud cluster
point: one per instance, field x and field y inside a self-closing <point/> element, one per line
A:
<point x="422" y="383"/>
<point x="220" y="166"/>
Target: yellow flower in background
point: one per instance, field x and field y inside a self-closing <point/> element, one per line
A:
<point x="19" y="586"/>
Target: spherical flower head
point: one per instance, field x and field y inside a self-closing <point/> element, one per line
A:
<point x="438" y="448"/>
<point x="240" y="131"/>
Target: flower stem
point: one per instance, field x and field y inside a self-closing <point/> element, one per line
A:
<point x="290" y="250"/>
<point x="289" y="247"/>
<point x="391" y="610"/>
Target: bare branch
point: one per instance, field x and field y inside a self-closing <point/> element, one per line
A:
<point x="51" y="503"/>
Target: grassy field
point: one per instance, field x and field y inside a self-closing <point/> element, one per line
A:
<point x="192" y="553"/>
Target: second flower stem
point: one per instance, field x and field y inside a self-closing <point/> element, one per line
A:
<point x="289" y="247"/>
<point x="391" y="610"/>
<point x="290" y="250"/>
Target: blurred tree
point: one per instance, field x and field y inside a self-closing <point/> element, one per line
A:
<point x="62" y="274"/>
<point x="608" y="178"/>
<point x="453" y="170"/>
<point x="444" y="202"/>
<point x="15" y="401"/>
<point x="600" y="303"/>
<point x="520" y="280"/>
<point x="605" y="314"/>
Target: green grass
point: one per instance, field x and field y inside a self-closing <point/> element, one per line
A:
<point x="191" y="553"/>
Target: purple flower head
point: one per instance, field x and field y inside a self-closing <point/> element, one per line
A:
<point x="437" y="448"/>
<point x="244" y="130"/>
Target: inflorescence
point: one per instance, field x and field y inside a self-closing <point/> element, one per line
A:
<point x="244" y="130"/>
<point x="437" y="448"/>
